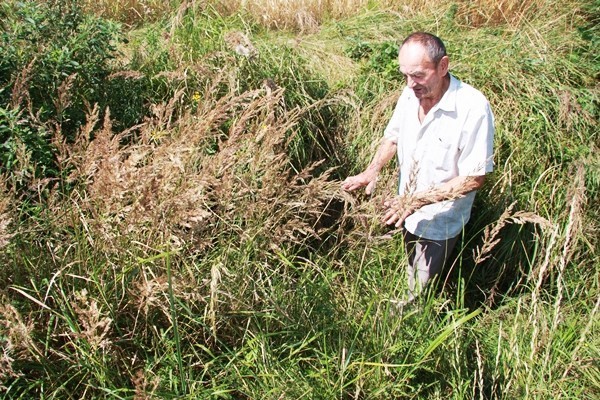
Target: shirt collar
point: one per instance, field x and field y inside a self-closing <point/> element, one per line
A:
<point x="448" y="100"/>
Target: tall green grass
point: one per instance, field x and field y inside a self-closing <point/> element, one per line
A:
<point x="205" y="250"/>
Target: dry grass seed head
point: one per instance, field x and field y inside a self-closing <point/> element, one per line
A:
<point x="171" y="187"/>
<point x="6" y="201"/>
<point x="16" y="341"/>
<point x="254" y="169"/>
<point x="511" y="12"/>
<point x="133" y="75"/>
<point x="491" y="233"/>
<point x="20" y="90"/>
<point x="22" y="167"/>
<point x="73" y="156"/>
<point x="94" y="327"/>
<point x="63" y="98"/>
<point x="304" y="15"/>
<point x="129" y="12"/>
<point x="307" y="15"/>
<point x="145" y="387"/>
<point x="150" y="292"/>
<point x="16" y="333"/>
<point x="6" y="368"/>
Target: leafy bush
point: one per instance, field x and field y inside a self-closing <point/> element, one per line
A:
<point x="54" y="61"/>
<point x="381" y="58"/>
<point x="25" y="151"/>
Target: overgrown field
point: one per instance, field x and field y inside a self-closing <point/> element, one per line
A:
<point x="172" y="224"/>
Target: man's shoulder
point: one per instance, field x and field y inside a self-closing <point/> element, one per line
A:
<point x="470" y="94"/>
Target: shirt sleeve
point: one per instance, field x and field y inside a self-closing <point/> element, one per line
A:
<point x="477" y="152"/>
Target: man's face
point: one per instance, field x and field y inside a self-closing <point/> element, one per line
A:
<point x="423" y="76"/>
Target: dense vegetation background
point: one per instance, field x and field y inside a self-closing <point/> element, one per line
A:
<point x="171" y="224"/>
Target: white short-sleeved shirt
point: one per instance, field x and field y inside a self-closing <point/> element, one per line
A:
<point x="455" y="139"/>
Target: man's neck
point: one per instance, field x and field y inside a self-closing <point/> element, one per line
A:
<point x="428" y="103"/>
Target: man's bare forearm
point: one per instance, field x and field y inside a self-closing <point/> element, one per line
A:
<point x="453" y="189"/>
<point x="385" y="152"/>
<point x="402" y="207"/>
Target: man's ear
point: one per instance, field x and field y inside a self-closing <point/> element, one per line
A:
<point x="443" y="65"/>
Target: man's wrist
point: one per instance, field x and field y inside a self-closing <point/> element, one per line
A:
<point x="421" y="200"/>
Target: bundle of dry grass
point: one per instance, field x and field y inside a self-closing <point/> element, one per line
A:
<point x="220" y="170"/>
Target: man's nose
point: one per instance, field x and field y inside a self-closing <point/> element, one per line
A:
<point x="410" y="82"/>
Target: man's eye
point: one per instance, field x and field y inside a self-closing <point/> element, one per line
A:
<point x="411" y="76"/>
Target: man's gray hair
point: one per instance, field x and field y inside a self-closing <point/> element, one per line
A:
<point x="433" y="45"/>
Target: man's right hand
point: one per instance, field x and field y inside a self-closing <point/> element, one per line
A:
<point x="365" y="179"/>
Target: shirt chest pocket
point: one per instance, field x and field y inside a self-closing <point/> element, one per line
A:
<point x="442" y="155"/>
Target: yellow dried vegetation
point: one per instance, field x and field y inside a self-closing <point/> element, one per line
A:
<point x="130" y="12"/>
<point x="308" y="15"/>
<point x="189" y="175"/>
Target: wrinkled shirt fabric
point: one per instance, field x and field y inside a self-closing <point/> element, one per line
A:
<point x="455" y="139"/>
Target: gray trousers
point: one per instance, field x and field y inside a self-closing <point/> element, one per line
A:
<point x="426" y="258"/>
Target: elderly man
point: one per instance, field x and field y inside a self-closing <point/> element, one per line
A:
<point x="442" y="132"/>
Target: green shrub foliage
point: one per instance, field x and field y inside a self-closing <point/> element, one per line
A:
<point x="54" y="61"/>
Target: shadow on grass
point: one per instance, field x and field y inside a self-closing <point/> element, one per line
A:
<point x="502" y="274"/>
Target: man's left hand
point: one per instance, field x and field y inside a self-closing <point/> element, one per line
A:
<point x="398" y="209"/>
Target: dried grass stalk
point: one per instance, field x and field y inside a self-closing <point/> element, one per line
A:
<point x="20" y="90"/>
<point x="6" y="201"/>
<point x="308" y="15"/>
<point x="145" y="387"/>
<point x="491" y="233"/>
<point x="94" y="326"/>
<point x="16" y="340"/>
<point x="543" y="331"/>
<point x="63" y="99"/>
